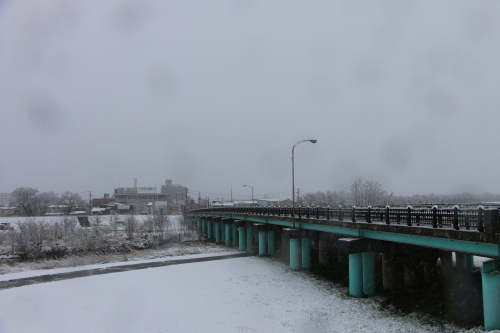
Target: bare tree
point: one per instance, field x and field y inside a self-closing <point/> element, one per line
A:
<point x="328" y="198"/>
<point x="369" y="192"/>
<point x="27" y="241"/>
<point x="131" y="225"/>
<point x="69" y="223"/>
<point x="158" y="224"/>
<point x="357" y="191"/>
<point x="44" y="200"/>
<point x="374" y="193"/>
<point x="26" y="198"/>
<point x="72" y="201"/>
<point x="309" y="199"/>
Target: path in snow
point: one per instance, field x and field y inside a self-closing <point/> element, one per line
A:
<point x="13" y="283"/>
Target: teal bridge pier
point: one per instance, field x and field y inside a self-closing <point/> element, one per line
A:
<point x="405" y="247"/>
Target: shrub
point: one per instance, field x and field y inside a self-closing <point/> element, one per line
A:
<point x="131" y="225"/>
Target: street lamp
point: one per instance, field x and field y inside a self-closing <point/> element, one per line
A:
<point x="293" y="176"/>
<point x="252" y="190"/>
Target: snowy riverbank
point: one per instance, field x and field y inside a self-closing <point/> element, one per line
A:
<point x="234" y="295"/>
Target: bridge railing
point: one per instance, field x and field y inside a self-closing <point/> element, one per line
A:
<point x="434" y="217"/>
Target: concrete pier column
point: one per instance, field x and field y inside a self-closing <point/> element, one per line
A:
<point x="270" y="243"/>
<point x="249" y="238"/>
<point x="491" y="294"/>
<point x="469" y="262"/>
<point x="306" y="252"/>
<point x="227" y="232"/>
<point x="210" y="227"/>
<point x="217" y="231"/>
<point x="429" y="271"/>
<point x="464" y="261"/>
<point x="410" y="275"/>
<point x="203" y="227"/>
<point x="369" y="286"/>
<point x="234" y="235"/>
<point x="242" y="246"/>
<point x="356" y="274"/>
<point x="294" y="253"/>
<point x="389" y="272"/>
<point x="322" y="249"/>
<point x="262" y="243"/>
<point x="446" y="263"/>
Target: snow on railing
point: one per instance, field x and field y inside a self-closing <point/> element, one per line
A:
<point x="452" y="218"/>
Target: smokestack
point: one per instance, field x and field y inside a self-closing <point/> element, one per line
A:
<point x="135" y="182"/>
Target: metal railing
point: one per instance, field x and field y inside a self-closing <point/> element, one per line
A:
<point x="455" y="218"/>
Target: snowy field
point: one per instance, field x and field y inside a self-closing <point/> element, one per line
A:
<point x="234" y="295"/>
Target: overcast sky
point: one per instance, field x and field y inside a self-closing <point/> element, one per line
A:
<point x="214" y="94"/>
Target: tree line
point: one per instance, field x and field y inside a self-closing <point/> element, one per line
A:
<point x="31" y="202"/>
<point x="371" y="193"/>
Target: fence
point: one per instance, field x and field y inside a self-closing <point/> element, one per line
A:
<point x="452" y="218"/>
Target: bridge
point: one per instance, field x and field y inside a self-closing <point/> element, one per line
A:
<point x="416" y="245"/>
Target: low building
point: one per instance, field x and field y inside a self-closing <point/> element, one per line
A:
<point x="141" y="200"/>
<point x="9" y="211"/>
<point x="56" y="210"/>
<point x="97" y="202"/>
<point x="267" y="202"/>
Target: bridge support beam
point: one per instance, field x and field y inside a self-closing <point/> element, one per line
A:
<point x="270" y="243"/>
<point x="227" y="234"/>
<point x="300" y="248"/>
<point x="491" y="294"/>
<point x="369" y="287"/>
<point x="464" y="261"/>
<point x="210" y="227"/>
<point x="249" y="238"/>
<point x="429" y="271"/>
<point x="203" y="226"/>
<point x="306" y="252"/>
<point x="389" y="279"/>
<point x="262" y="243"/>
<point x="361" y="266"/>
<point x="356" y="274"/>
<point x="446" y="258"/>
<point x="322" y="249"/>
<point x="217" y="231"/>
<point x="411" y="275"/>
<point x="295" y="253"/>
<point x="234" y="235"/>
<point x="262" y="230"/>
<point x="242" y="246"/>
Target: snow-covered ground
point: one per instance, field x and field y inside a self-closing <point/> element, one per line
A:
<point x="103" y="219"/>
<point x="249" y="294"/>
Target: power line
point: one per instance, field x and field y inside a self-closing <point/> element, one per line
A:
<point x="225" y="194"/>
<point x="277" y="196"/>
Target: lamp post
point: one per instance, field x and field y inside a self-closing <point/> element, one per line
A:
<point x="293" y="176"/>
<point x="252" y="190"/>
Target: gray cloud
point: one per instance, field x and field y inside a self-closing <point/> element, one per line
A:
<point x="216" y="94"/>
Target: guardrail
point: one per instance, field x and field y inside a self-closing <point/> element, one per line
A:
<point x="452" y="218"/>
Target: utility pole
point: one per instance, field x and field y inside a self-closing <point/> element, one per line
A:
<point x="298" y="196"/>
